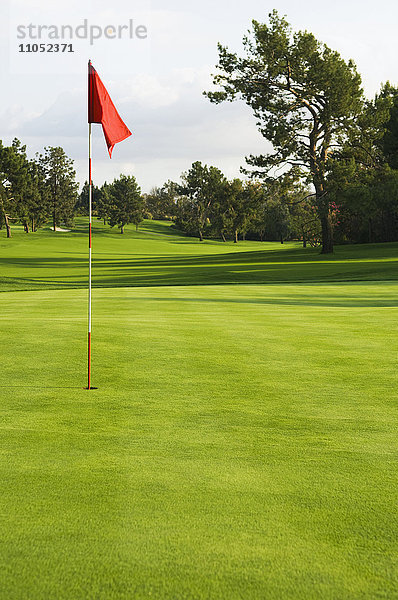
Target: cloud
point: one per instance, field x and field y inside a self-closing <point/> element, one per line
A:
<point x="173" y="125"/>
<point x="13" y="119"/>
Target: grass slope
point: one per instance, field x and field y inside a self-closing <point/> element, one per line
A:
<point x="156" y="256"/>
<point x="241" y="445"/>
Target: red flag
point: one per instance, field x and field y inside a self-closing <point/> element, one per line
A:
<point x="102" y="110"/>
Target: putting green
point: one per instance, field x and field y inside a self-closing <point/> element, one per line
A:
<point x="242" y="441"/>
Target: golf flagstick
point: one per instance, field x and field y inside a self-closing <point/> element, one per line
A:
<point x="90" y="202"/>
<point x="100" y="110"/>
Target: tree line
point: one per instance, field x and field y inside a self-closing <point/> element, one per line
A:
<point x="36" y="191"/>
<point x="205" y="204"/>
<point x="363" y="202"/>
<point x="331" y="177"/>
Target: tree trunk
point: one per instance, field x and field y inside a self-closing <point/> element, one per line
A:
<point x="244" y="236"/>
<point x="54" y="225"/>
<point x="122" y="229"/>
<point x="33" y="225"/>
<point x="104" y="221"/>
<point x="236" y="237"/>
<point x="223" y="237"/>
<point x="318" y="174"/>
<point x="136" y="227"/>
<point x="26" y="226"/>
<point x="200" y="235"/>
<point x="304" y="240"/>
<point x="7" y="226"/>
<point x="281" y="239"/>
<point x="370" y="233"/>
<point x="324" y="214"/>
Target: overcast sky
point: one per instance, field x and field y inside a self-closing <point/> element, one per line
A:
<point x="157" y="82"/>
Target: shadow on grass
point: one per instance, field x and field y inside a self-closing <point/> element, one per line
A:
<point x="273" y="265"/>
<point x="337" y="300"/>
<point x="46" y="387"/>
<point x="160" y="228"/>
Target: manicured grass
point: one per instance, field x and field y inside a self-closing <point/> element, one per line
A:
<point x="241" y="443"/>
<point x="157" y="256"/>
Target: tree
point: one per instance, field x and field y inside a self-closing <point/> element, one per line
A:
<point x="125" y="202"/>
<point x="389" y="140"/>
<point x="238" y="205"/>
<point x="36" y="199"/>
<point x="304" y="221"/>
<point x="290" y="210"/>
<point x="201" y="186"/>
<point x="367" y="202"/>
<point x="81" y="205"/>
<point x="103" y="202"/>
<point x="161" y="201"/>
<point x="14" y="175"/>
<point x="277" y="219"/>
<point x="5" y="197"/>
<point x="186" y="217"/>
<point x="360" y="173"/>
<point x="367" y="135"/>
<point x="304" y="96"/>
<point x="22" y="194"/>
<point x="220" y="220"/>
<point x="59" y="175"/>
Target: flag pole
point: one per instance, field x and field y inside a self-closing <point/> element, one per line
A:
<point x="90" y="199"/>
<point x="90" y="202"/>
<point x="100" y="110"/>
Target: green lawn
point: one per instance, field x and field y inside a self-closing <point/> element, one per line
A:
<point x="158" y="256"/>
<point x="242" y="443"/>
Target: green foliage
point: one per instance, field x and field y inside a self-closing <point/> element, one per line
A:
<point x="361" y="181"/>
<point x="81" y="206"/>
<point x="368" y="202"/>
<point x="278" y="209"/>
<point x="36" y="199"/>
<point x="103" y="202"/>
<point x="277" y="219"/>
<point x="23" y="194"/>
<point x="186" y="216"/>
<point x="59" y="175"/>
<point x="124" y="202"/>
<point x="201" y="189"/>
<point x="304" y="221"/>
<point x="241" y="201"/>
<point x="365" y="140"/>
<point x="160" y="203"/>
<point x="304" y="96"/>
<point x="389" y="141"/>
<point x="294" y="213"/>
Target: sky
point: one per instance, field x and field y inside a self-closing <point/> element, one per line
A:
<point x="156" y="72"/>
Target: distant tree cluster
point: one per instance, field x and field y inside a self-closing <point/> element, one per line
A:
<point x="34" y="190"/>
<point x="117" y="204"/>
<point x="206" y="204"/>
